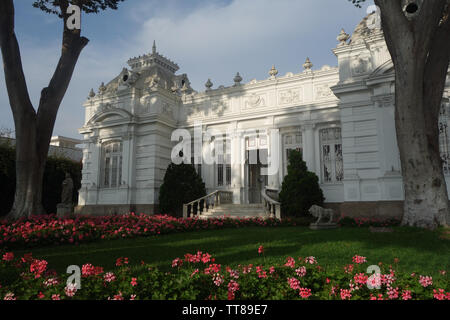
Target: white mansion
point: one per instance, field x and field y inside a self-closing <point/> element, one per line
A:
<point x="342" y="118"/>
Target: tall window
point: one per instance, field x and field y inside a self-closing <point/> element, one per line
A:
<point x="444" y="139"/>
<point x="223" y="162"/>
<point x="112" y="164"/>
<point x="197" y="164"/>
<point x="291" y="141"/>
<point x="331" y="155"/>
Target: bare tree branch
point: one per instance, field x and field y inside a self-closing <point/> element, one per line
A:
<point x="12" y="63"/>
<point x="52" y="96"/>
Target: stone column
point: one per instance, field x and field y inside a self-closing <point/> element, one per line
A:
<point x="309" y="147"/>
<point x="96" y="170"/>
<point x="280" y="160"/>
<point x="387" y="137"/>
<point x="242" y="166"/>
<point x="236" y="166"/>
<point x="128" y="164"/>
<point x="274" y="154"/>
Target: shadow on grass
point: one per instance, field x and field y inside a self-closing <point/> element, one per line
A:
<point x="415" y="248"/>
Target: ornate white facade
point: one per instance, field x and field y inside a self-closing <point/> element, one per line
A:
<point x="342" y="118"/>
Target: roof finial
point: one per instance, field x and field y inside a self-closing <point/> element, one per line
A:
<point x="273" y="72"/>
<point x="154" y="47"/>
<point x="308" y="65"/>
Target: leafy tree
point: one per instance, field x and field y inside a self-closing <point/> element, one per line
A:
<point x="181" y="185"/>
<point x="417" y="34"/>
<point x="34" y="127"/>
<point x="300" y="188"/>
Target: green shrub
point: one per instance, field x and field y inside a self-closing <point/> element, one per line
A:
<point x="7" y="177"/>
<point x="181" y="185"/>
<point x="300" y="188"/>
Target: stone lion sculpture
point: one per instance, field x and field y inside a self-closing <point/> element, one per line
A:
<point x="319" y="212"/>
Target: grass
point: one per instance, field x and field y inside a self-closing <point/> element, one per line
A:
<point x="418" y="250"/>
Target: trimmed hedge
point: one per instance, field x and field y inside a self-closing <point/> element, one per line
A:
<point x="181" y="185"/>
<point x="54" y="175"/>
<point x="300" y="189"/>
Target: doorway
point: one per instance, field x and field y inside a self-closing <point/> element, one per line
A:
<point x="256" y="182"/>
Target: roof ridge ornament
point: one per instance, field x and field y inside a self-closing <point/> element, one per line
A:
<point x="307" y="65"/>
<point x="102" y="88"/>
<point x="91" y="93"/>
<point x="342" y="38"/>
<point x="208" y="85"/>
<point x="237" y="79"/>
<point x="273" y="72"/>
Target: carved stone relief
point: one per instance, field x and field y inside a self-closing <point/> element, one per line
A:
<point x="254" y="101"/>
<point x="323" y="91"/>
<point x="290" y="96"/>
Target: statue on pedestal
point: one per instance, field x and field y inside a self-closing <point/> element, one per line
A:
<point x="66" y="206"/>
<point x="67" y="190"/>
<point x="319" y="213"/>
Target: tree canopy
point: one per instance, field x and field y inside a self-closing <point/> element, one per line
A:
<point x="87" y="6"/>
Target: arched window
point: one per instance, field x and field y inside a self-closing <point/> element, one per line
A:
<point x="444" y="139"/>
<point x="331" y="155"/>
<point x="111" y="164"/>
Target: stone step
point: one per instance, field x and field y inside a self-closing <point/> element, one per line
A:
<point x="236" y="210"/>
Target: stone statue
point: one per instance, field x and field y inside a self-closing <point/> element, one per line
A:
<point x="319" y="212"/>
<point x="67" y="190"/>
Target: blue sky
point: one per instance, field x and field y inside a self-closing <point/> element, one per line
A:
<point x="207" y="38"/>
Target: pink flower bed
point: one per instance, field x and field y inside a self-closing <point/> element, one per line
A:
<point x="42" y="230"/>
<point x="199" y="276"/>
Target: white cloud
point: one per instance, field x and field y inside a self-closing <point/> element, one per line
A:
<point x="248" y="36"/>
<point x="210" y="41"/>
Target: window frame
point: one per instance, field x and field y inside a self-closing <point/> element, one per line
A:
<point x="114" y="165"/>
<point x="335" y="155"/>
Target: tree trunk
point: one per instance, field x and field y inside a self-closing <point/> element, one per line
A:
<point x="420" y="49"/>
<point x="426" y="200"/>
<point x="29" y="171"/>
<point x="34" y="129"/>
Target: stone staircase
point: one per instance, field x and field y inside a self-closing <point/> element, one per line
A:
<point x="236" y="211"/>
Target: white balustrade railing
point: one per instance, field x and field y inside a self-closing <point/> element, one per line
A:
<point x="271" y="206"/>
<point x="206" y="203"/>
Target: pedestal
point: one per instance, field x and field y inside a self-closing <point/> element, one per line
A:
<point x="323" y="226"/>
<point x="64" y="210"/>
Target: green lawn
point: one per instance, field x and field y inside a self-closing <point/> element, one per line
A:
<point x="418" y="250"/>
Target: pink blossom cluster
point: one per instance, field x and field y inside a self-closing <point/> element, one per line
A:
<point x="89" y="270"/>
<point x="359" y="259"/>
<point x="426" y="281"/>
<point x="290" y="262"/>
<point x="233" y="286"/>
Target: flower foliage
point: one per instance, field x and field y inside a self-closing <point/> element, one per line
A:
<point x="198" y="276"/>
<point x="49" y="230"/>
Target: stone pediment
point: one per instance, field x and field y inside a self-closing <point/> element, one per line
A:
<point x="386" y="68"/>
<point x="110" y="115"/>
